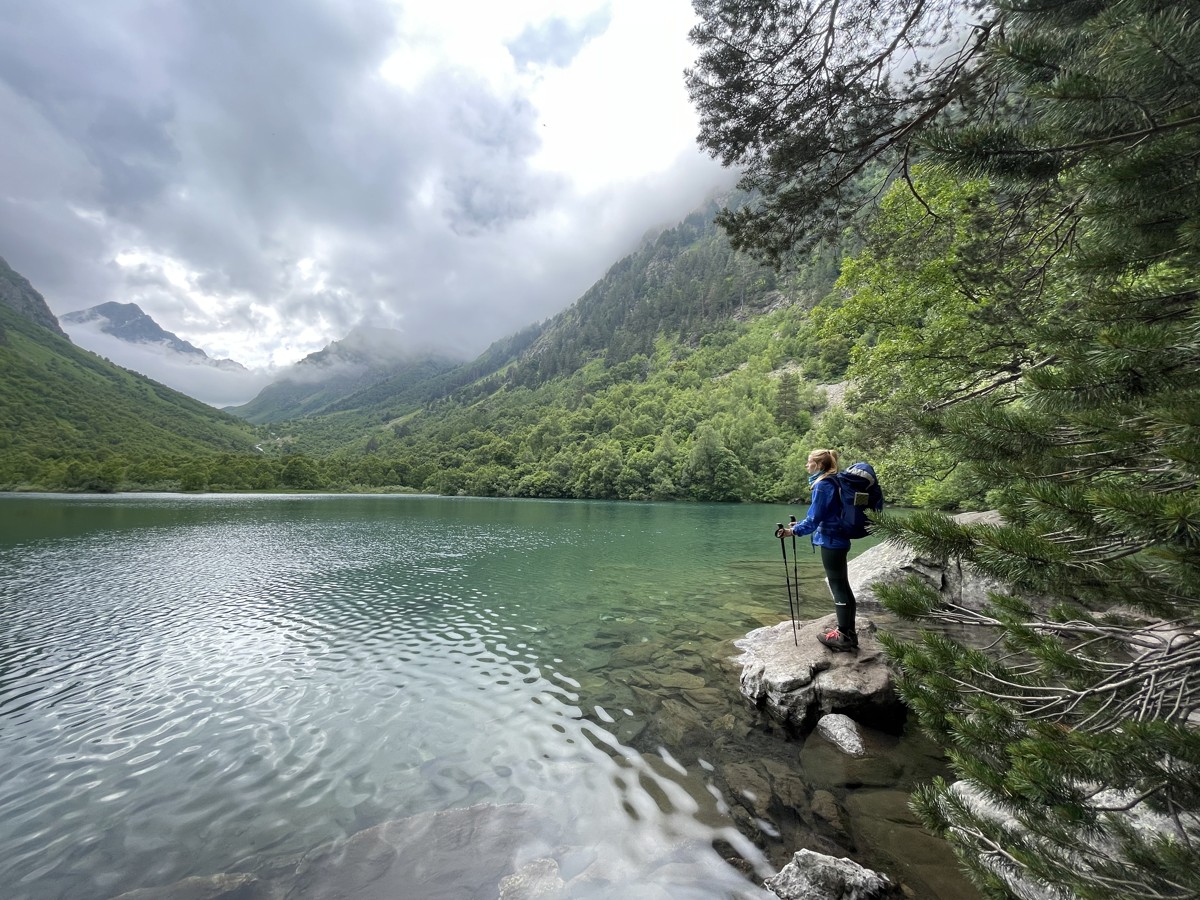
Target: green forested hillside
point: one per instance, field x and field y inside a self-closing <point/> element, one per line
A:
<point x="716" y="422"/>
<point x="69" y="418"/>
<point x="685" y="285"/>
<point x="687" y="372"/>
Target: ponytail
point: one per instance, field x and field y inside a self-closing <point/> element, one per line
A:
<point x="827" y="462"/>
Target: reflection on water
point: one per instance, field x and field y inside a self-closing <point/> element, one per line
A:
<point x="198" y="685"/>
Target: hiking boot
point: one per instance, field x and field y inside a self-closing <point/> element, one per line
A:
<point x="835" y="640"/>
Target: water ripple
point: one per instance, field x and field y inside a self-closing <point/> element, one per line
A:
<point x="197" y="685"/>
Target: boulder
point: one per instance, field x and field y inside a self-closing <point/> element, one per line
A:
<point x="855" y="739"/>
<point x="815" y="876"/>
<point x="843" y="733"/>
<point x="796" y="678"/>
<point x="890" y="562"/>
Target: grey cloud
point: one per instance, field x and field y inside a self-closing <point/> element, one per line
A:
<point x="96" y="85"/>
<point x="548" y="274"/>
<point x="240" y="138"/>
<point x="337" y="305"/>
<point x="146" y="276"/>
<point x="134" y="151"/>
<point x="556" y="41"/>
<point x="42" y="174"/>
<point x="488" y="184"/>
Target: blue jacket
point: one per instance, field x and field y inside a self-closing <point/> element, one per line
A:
<point x="824" y="517"/>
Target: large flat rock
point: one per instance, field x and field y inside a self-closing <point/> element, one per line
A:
<point x="798" y="679"/>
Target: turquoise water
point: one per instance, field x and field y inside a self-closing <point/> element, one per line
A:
<point x="194" y="685"/>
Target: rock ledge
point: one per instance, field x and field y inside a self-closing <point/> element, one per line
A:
<point x="798" y="683"/>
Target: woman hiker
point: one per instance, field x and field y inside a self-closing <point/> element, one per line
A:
<point x="824" y="522"/>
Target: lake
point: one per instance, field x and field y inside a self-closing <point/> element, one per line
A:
<point x="264" y="685"/>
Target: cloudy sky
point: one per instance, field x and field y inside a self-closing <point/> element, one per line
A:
<point x="260" y="176"/>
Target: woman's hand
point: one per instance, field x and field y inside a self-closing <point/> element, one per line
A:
<point x="783" y="531"/>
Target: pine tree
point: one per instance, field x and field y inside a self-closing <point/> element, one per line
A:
<point x="1066" y="721"/>
<point x="1086" y="710"/>
<point x="787" y="400"/>
<point x="806" y="95"/>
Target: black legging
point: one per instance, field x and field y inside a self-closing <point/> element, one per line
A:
<point x="834" y="562"/>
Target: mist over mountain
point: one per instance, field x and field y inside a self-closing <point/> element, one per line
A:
<point x="125" y="333"/>
<point x="66" y="413"/>
<point x="366" y="358"/>
<point x="128" y="322"/>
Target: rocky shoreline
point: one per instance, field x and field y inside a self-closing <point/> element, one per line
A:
<point x="848" y="699"/>
<point x="841" y="695"/>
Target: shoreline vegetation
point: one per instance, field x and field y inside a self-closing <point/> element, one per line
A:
<point x="166" y="489"/>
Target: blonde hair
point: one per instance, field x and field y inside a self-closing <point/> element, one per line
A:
<point x="827" y="460"/>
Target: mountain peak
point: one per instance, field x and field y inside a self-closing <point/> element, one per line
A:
<point x="129" y="322"/>
<point x="18" y="294"/>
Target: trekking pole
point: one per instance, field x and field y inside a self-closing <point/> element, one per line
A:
<point x="787" y="578"/>
<point x="795" y="574"/>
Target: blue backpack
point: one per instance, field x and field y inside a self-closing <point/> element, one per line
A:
<point x="859" y="491"/>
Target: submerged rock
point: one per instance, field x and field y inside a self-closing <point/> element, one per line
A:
<point x="828" y="766"/>
<point x="824" y="806"/>
<point x="797" y="679"/>
<point x="887" y="831"/>
<point x="680" y="724"/>
<point x="538" y="879"/>
<point x="225" y="886"/>
<point x="448" y="855"/>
